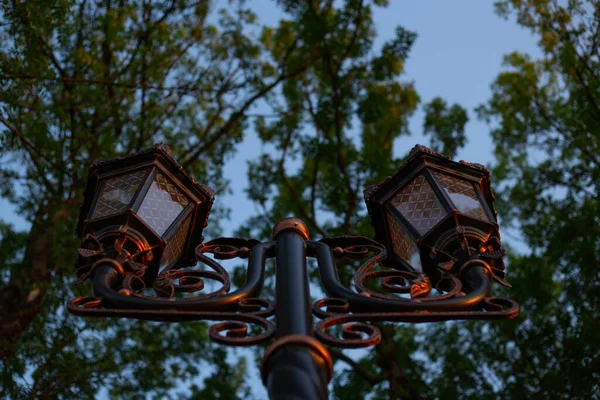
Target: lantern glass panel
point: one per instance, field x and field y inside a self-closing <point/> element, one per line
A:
<point x="463" y="195"/>
<point x="176" y="243"/>
<point x="403" y="245"/>
<point x="117" y="192"/>
<point x="162" y="205"/>
<point x="418" y="203"/>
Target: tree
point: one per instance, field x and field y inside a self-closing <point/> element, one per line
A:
<point x="330" y="134"/>
<point x="544" y="122"/>
<point x="83" y="80"/>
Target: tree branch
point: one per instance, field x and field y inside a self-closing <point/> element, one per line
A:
<point x="186" y="88"/>
<point x="33" y="154"/>
<point x="356" y="367"/>
<point x="236" y="116"/>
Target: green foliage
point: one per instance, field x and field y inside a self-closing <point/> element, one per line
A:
<point x="544" y="117"/>
<point x="446" y="125"/>
<point x="227" y="382"/>
<point x="333" y="134"/>
<point x="83" y="80"/>
<point x="329" y="134"/>
<point x="333" y="126"/>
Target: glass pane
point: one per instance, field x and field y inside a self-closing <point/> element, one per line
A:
<point x="175" y="246"/>
<point x="116" y="193"/>
<point x="462" y="195"/>
<point x="162" y="204"/>
<point x="403" y="245"/>
<point x="418" y="203"/>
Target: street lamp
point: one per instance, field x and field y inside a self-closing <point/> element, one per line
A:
<point x="435" y="228"/>
<point x="437" y="216"/>
<point x="143" y="210"/>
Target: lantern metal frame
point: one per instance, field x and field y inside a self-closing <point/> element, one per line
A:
<point x="456" y="237"/>
<point x="384" y="288"/>
<point x="124" y="231"/>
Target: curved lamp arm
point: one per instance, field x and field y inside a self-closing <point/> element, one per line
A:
<point x="114" y="297"/>
<point x="356" y="312"/>
<point x="106" y="278"/>
<point x="477" y="276"/>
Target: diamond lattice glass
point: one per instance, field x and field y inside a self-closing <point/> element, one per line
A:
<point x="116" y="193"/>
<point x="162" y="204"/>
<point x="403" y="245"/>
<point x="175" y="246"/>
<point x="462" y="195"/>
<point x="418" y="203"/>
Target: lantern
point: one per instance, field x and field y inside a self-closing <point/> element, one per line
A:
<point x="435" y="215"/>
<point x="144" y="209"/>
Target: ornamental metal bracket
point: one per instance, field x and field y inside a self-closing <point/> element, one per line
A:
<point x="121" y="292"/>
<point x="387" y="294"/>
<point x="435" y="255"/>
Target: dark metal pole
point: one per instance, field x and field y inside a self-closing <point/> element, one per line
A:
<point x="296" y="365"/>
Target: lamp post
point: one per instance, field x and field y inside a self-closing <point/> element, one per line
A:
<point x="435" y="228"/>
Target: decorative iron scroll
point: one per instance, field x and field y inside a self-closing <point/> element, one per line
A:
<point x="380" y="293"/>
<point x="237" y="312"/>
<point x="356" y="325"/>
<point x="393" y="281"/>
<point x="377" y="291"/>
<point x="232" y="332"/>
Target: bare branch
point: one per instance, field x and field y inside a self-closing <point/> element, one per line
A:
<point x="33" y="155"/>
<point x="357" y="368"/>
<point x="237" y="116"/>
<point x="185" y="88"/>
